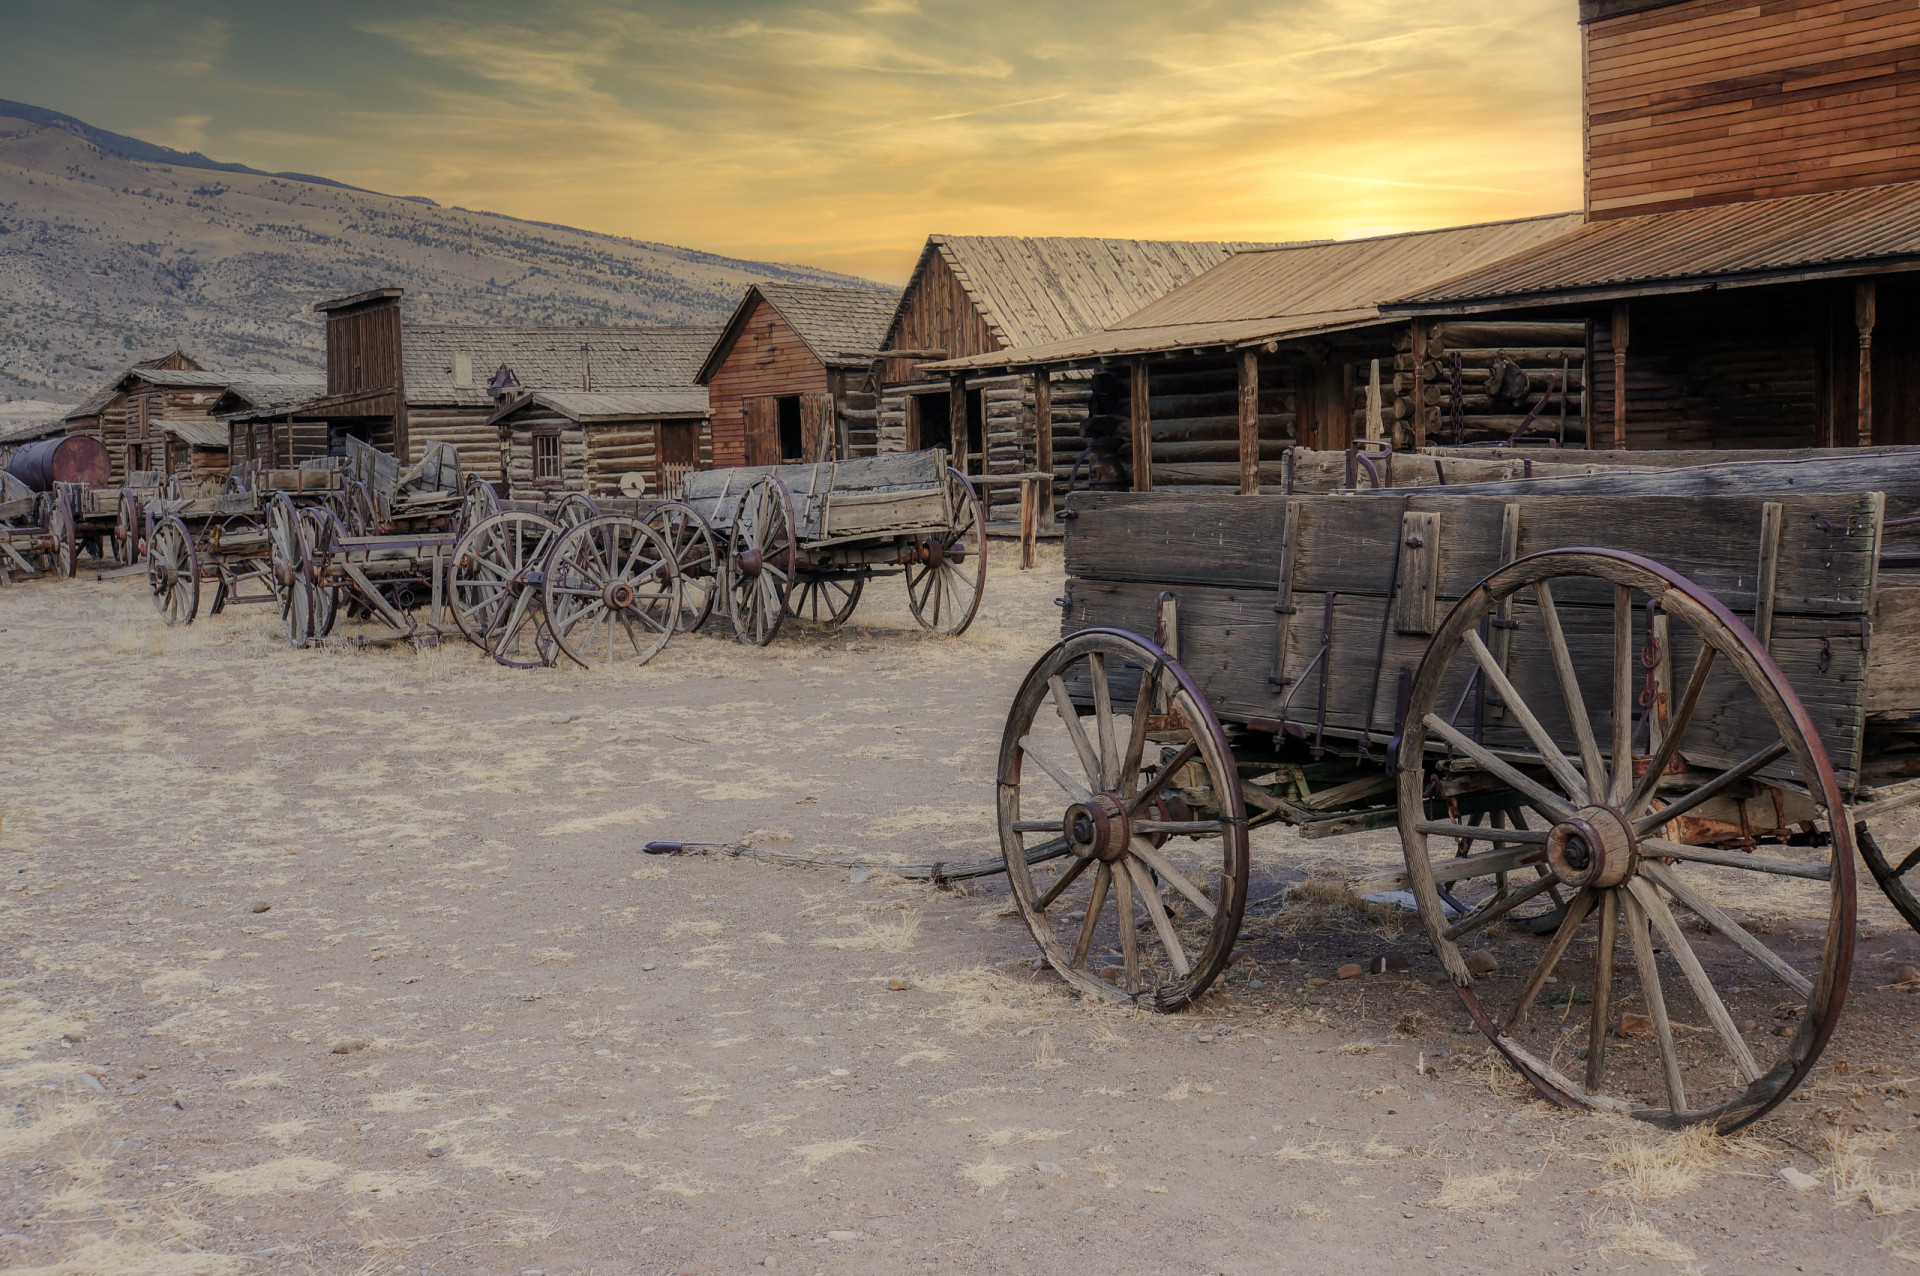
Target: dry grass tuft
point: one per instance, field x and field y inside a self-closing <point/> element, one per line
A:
<point x="1647" y="1167"/>
<point x="1327" y="900"/>
<point x="1311" y="1212"/>
<point x="980" y="999"/>
<point x="986" y="1175"/>
<point x="1415" y="1023"/>
<point x="885" y="937"/>
<point x="1856" y="1178"/>
<point x="1479" y="1191"/>
<point x="282" y="1177"/>
<point x="1014" y="1134"/>
<point x="818" y="1154"/>
<point x="1637" y="1238"/>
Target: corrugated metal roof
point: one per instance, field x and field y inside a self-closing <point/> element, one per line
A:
<point x="550" y="358"/>
<point x="1794" y="234"/>
<point x="1031" y="290"/>
<point x="195" y="431"/>
<point x="1290" y="291"/>
<point x="614" y="406"/>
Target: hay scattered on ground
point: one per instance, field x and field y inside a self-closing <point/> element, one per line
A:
<point x="1479" y="1191"/>
<point x="1638" y="1238"/>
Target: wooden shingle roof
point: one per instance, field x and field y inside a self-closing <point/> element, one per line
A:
<point x="548" y="358"/>
<point x="1031" y="290"/>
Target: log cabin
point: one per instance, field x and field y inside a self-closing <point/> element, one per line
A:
<point x="790" y="378"/>
<point x="973" y="295"/>
<point x="162" y="414"/>
<point x="1748" y="268"/>
<point x="604" y="443"/>
<point x="401" y="386"/>
<point x="1208" y="386"/>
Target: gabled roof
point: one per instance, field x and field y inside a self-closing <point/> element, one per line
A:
<point x="1833" y="233"/>
<point x="252" y="390"/>
<point x="284" y="386"/>
<point x="1034" y="290"/>
<point x="616" y="405"/>
<point x="1260" y="295"/>
<point x="843" y="327"/>
<point x="550" y="358"/>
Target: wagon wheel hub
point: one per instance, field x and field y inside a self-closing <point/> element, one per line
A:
<point x="1098" y="828"/>
<point x="617" y="595"/>
<point x="751" y="561"/>
<point x="1593" y="847"/>
<point x="933" y="551"/>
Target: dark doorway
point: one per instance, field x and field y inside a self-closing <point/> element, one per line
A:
<point x="337" y="436"/>
<point x="793" y="439"/>
<point x="933" y="417"/>
<point x="677" y="455"/>
<point x="975" y="461"/>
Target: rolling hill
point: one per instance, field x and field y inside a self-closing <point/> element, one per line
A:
<point x="113" y="249"/>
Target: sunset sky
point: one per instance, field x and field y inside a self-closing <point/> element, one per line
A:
<point x="840" y="135"/>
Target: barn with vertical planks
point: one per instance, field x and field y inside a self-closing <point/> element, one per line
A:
<point x="602" y="443"/>
<point x="1747" y="267"/>
<point x="1207" y="386"/>
<point x="975" y="295"/>
<point x="791" y="376"/>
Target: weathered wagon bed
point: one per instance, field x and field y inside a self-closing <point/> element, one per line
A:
<point x="1600" y="698"/>
<point x="803" y="540"/>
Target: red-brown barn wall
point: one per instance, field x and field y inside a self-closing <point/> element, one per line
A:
<point x="768" y="359"/>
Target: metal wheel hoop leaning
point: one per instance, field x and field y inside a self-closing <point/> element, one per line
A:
<point x="761" y="556"/>
<point x="825" y="600"/>
<point x="1593" y="837"/>
<point x="173" y="572"/>
<point x="478" y="503"/>
<point x="611" y="594"/>
<point x="128" y="529"/>
<point x="1113" y="760"/>
<point x="697" y="560"/>
<point x="290" y="567"/>
<point x="949" y="574"/>
<point x="496" y="591"/>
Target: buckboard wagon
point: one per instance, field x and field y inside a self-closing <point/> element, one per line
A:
<point x="803" y="540"/>
<point x="1587" y="711"/>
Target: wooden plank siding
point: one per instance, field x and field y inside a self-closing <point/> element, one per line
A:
<point x="938" y="315"/>
<point x="768" y="361"/>
<point x="594" y="456"/>
<point x="1719" y="101"/>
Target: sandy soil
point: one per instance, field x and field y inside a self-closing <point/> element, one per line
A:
<point x="349" y="961"/>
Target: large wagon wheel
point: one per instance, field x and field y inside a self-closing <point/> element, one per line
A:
<point x="128" y="527"/>
<point x="574" y="509"/>
<point x="611" y="593"/>
<point x="496" y="594"/>
<point x="1896" y="880"/>
<point x="949" y="570"/>
<point x="761" y="554"/>
<point x="696" y="561"/>
<point x="1735" y="728"/>
<point x="1113" y="761"/>
<point x="65" y="556"/>
<point x="826" y="602"/>
<point x="290" y="562"/>
<point x="320" y="532"/>
<point x="173" y="572"/>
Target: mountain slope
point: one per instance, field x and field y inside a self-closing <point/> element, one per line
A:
<point x="107" y="255"/>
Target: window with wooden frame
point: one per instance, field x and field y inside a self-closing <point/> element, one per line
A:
<point x="546" y="456"/>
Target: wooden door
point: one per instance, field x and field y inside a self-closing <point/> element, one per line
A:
<point x="763" y="429"/>
<point x="816" y="426"/>
<point x="676" y="453"/>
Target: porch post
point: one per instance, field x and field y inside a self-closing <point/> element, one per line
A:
<point x="1249" y="423"/>
<point x="1142" y="434"/>
<point x="1620" y="338"/>
<point x="1863" y="317"/>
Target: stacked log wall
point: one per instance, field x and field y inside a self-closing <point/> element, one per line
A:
<point x="1539" y="349"/>
<point x="464" y="427"/>
<point x="518" y="460"/>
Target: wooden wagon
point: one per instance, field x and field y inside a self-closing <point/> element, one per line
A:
<point x="803" y="540"/>
<point x="1590" y="706"/>
<point x="36" y="533"/>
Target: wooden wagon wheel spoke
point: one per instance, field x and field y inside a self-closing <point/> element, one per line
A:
<point x="609" y="591"/>
<point x="1070" y="719"/>
<point x="1070" y="786"/>
<point x="1103" y="883"/>
<point x="1146" y="854"/>
<point x="1670" y="741"/>
<point x="1602" y="856"/>
<point x="1570" y="780"/>
<point x="1157" y="914"/>
<point x="1591" y="764"/>
<point x="1065" y="880"/>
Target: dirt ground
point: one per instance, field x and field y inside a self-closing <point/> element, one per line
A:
<point x="349" y="961"/>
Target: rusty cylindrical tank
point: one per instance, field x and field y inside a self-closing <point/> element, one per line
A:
<point x="72" y="458"/>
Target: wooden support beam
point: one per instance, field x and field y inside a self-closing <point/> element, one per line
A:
<point x="1043" y="442"/>
<point x="1863" y="316"/>
<point x="1621" y="334"/>
<point x="1141" y="417"/>
<point x="1249" y="423"/>
<point x="957" y="420"/>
